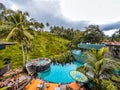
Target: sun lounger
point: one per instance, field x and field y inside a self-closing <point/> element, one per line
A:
<point x="40" y="86"/>
<point x="50" y="86"/>
<point x="63" y="87"/>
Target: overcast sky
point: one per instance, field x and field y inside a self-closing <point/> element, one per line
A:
<point x="72" y="13"/>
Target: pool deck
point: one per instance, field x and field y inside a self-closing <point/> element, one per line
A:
<point x="35" y="85"/>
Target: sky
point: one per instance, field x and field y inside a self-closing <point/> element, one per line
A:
<point x="76" y="14"/>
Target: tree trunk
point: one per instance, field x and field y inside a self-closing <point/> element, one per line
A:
<point x="23" y="54"/>
<point x="98" y="82"/>
<point x="27" y="56"/>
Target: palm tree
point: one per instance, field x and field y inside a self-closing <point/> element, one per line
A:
<point x="37" y="25"/>
<point x="47" y="24"/>
<point x="99" y="66"/>
<point x="20" y="28"/>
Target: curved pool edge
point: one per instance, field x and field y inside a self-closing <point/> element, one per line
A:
<point x="64" y="76"/>
<point x="33" y="66"/>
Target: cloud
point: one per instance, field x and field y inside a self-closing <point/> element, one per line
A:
<point x="47" y="11"/>
<point x="106" y="27"/>
<point x="39" y="8"/>
<point x="110" y="32"/>
<point x="50" y="11"/>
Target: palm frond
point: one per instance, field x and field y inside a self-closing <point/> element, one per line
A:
<point x="101" y="53"/>
<point x="28" y="35"/>
<point x="10" y="34"/>
<point x="108" y="85"/>
<point x="14" y="19"/>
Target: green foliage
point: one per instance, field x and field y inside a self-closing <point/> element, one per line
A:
<point x="73" y="35"/>
<point x="99" y="65"/>
<point x="108" y="85"/>
<point x="14" y="52"/>
<point x="4" y="88"/>
<point x="48" y="45"/>
<point x="93" y="34"/>
<point x="77" y="38"/>
<point x="116" y="36"/>
<point x="20" y="28"/>
<point x="115" y="78"/>
<point x="67" y="33"/>
<point x="2" y="63"/>
<point x="45" y="45"/>
<point x="63" y="58"/>
<point x="116" y="81"/>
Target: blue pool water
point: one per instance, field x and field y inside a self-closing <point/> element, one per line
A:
<point x="77" y="52"/>
<point x="79" y="56"/>
<point x="42" y="62"/>
<point x="59" y="73"/>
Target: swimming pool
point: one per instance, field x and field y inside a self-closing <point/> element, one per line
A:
<point x="79" y="56"/>
<point x="42" y="62"/>
<point x="59" y="73"/>
<point x="77" y="52"/>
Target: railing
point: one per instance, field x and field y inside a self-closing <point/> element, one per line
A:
<point x="90" y="46"/>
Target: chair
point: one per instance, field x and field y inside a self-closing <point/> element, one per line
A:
<point x="40" y="86"/>
<point x="50" y="86"/>
<point x="63" y="87"/>
<point x="47" y="85"/>
<point x="68" y="88"/>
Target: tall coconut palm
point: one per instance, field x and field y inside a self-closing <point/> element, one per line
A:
<point x="20" y="29"/>
<point x="37" y="25"/>
<point x="47" y="24"/>
<point x="100" y="66"/>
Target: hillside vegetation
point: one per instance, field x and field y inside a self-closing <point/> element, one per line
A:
<point x="45" y="45"/>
